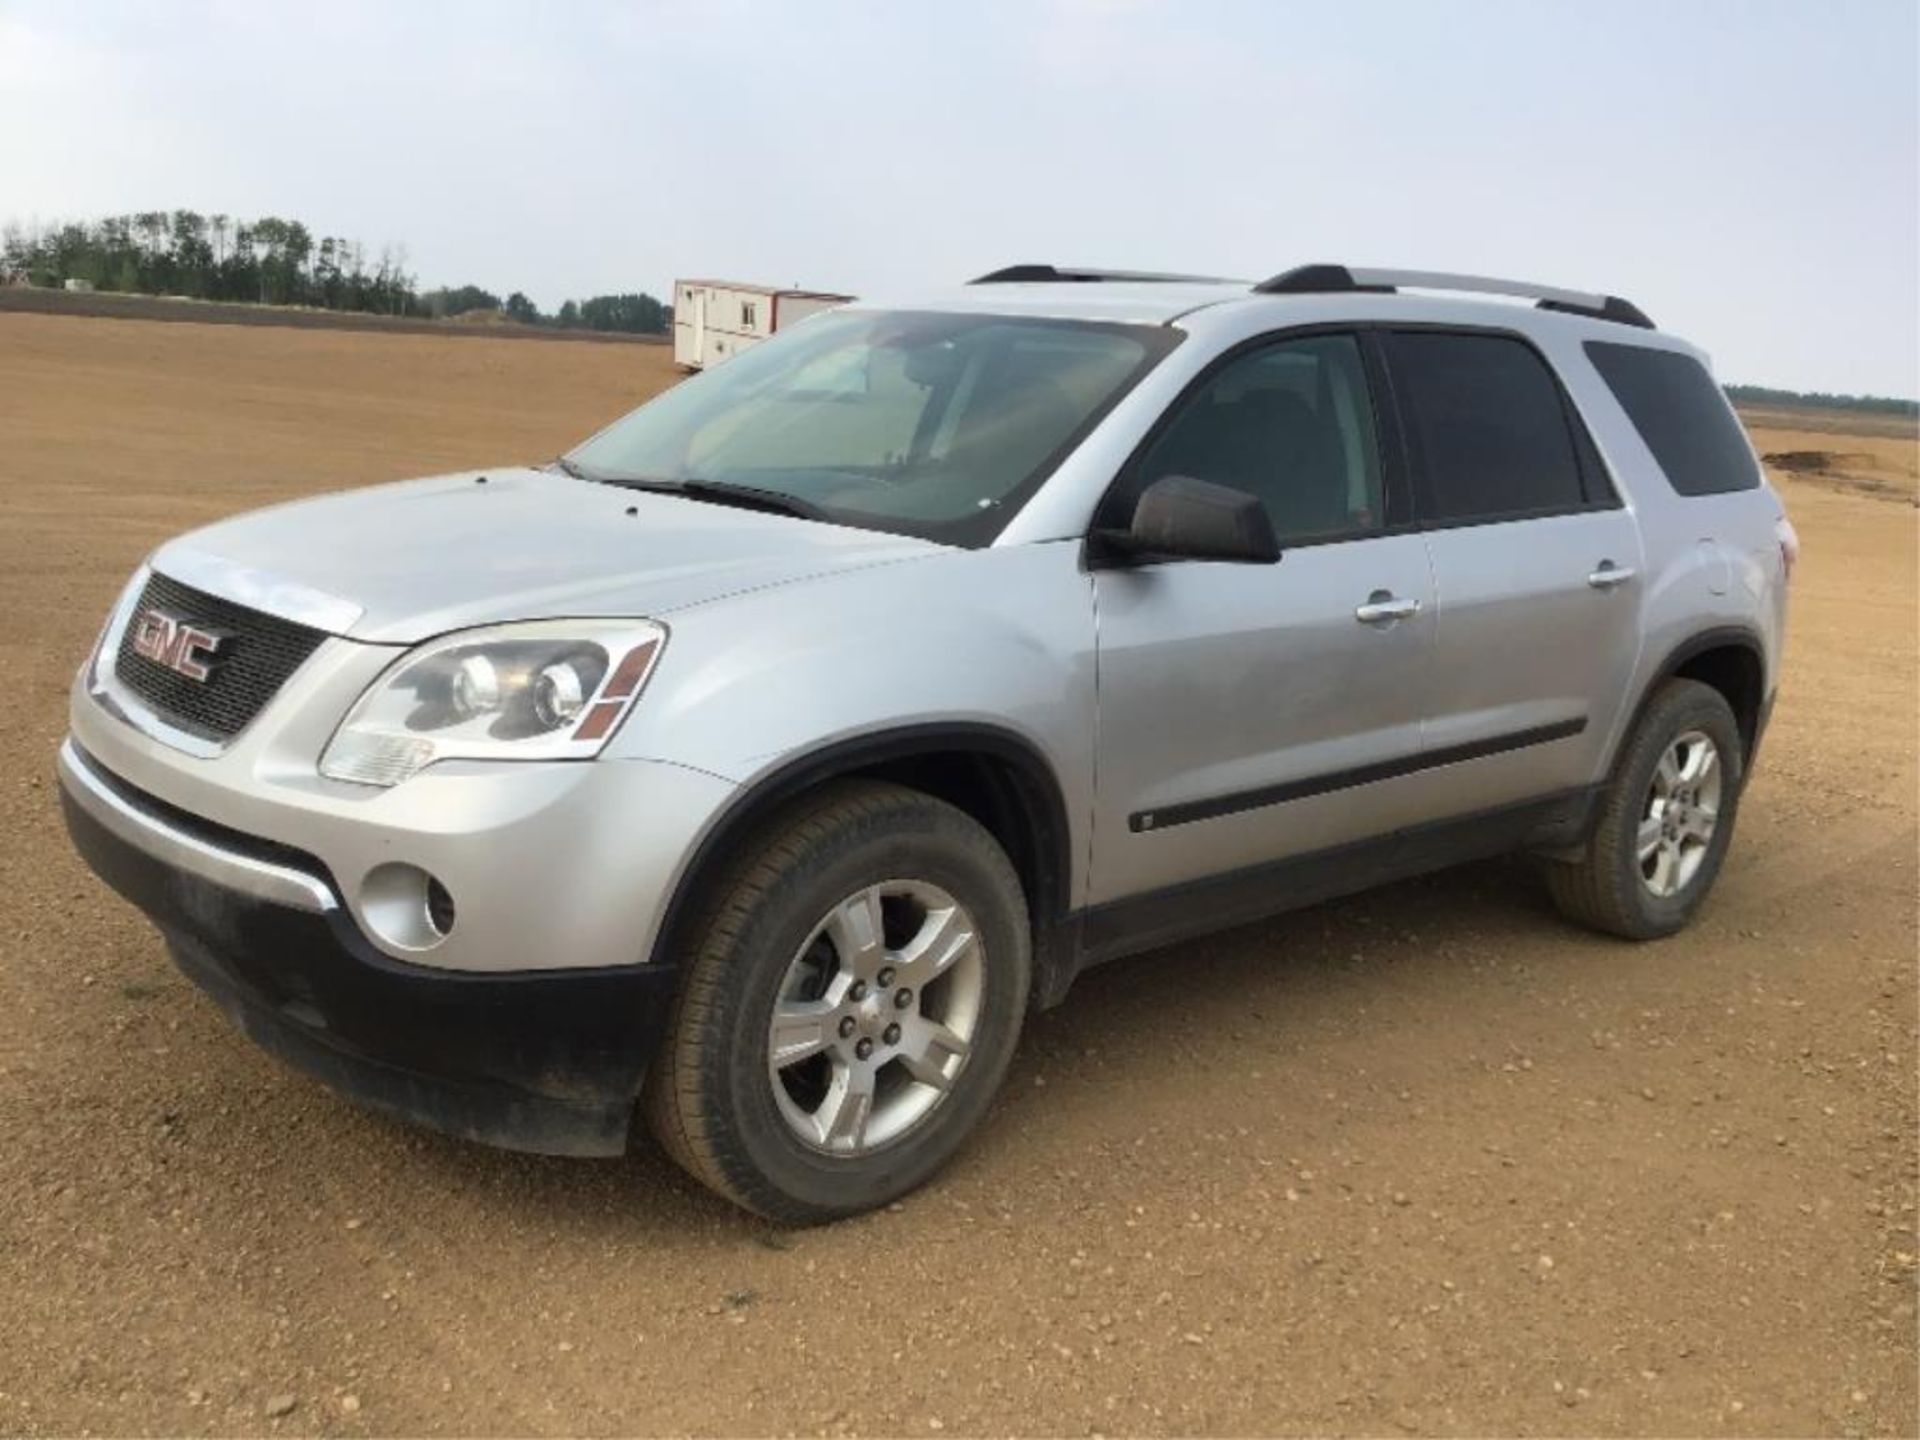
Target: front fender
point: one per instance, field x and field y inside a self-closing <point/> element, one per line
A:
<point x="999" y="639"/>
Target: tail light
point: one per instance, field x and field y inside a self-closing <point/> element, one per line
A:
<point x="1789" y="539"/>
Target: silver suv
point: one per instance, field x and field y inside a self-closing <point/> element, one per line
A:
<point x="757" y="766"/>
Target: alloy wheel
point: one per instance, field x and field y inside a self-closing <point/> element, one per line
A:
<point x="1680" y="813"/>
<point x="875" y="1017"/>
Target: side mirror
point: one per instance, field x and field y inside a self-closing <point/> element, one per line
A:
<point x="1180" y="518"/>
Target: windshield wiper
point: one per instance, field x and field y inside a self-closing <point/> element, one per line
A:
<point x="748" y="497"/>
<point x="716" y="492"/>
<point x="573" y="468"/>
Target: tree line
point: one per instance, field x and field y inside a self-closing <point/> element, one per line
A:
<point x="271" y="261"/>
<point x="1821" y="400"/>
<point x="638" y="314"/>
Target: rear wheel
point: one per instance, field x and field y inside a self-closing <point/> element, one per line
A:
<point x="1665" y="821"/>
<point x="852" y="1002"/>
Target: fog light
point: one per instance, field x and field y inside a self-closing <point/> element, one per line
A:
<point x="405" y="907"/>
<point x="439" y="907"/>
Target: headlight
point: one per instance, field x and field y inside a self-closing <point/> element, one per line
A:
<point x="543" y="690"/>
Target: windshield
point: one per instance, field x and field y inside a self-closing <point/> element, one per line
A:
<point x="939" y="425"/>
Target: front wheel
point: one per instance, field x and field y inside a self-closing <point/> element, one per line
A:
<point x="1665" y="821"/>
<point x="854" y="997"/>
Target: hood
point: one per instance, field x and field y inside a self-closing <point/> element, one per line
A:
<point x="395" y="564"/>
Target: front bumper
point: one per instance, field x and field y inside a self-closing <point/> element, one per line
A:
<point x="550" y="864"/>
<point x="545" y="1060"/>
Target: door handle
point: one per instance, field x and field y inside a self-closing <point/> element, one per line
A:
<point x="1383" y="607"/>
<point x="1609" y="575"/>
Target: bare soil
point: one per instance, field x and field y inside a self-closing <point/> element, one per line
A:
<point x="1872" y="455"/>
<point x="1427" y="1160"/>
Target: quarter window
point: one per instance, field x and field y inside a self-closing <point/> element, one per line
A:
<point x="1488" y="428"/>
<point x="1290" y="424"/>
<point x="1682" y="416"/>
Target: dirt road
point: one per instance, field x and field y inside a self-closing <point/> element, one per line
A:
<point x="1426" y="1160"/>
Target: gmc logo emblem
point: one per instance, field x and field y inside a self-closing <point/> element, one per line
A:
<point x="184" y="649"/>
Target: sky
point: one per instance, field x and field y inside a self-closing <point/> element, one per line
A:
<point x="1748" y="172"/>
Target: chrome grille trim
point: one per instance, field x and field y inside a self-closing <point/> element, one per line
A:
<point x="269" y="594"/>
<point x="260" y="653"/>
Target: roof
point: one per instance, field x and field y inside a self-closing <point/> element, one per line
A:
<point x="1127" y="302"/>
<point x="1318" y="291"/>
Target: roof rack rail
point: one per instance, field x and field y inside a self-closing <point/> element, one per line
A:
<point x="1324" y="279"/>
<point x="1056" y="274"/>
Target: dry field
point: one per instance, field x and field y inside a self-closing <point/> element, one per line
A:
<point x="1865" y="454"/>
<point x="1422" y="1161"/>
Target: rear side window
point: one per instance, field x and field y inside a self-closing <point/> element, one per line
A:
<point x="1489" y="431"/>
<point x="1682" y="416"/>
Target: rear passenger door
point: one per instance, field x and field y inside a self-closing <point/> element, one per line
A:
<point x="1536" y="569"/>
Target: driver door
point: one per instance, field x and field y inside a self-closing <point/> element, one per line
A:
<point x="1250" y="713"/>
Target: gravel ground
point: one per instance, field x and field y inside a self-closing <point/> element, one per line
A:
<point x="1426" y="1160"/>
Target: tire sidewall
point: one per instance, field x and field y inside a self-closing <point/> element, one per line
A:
<point x="926" y="842"/>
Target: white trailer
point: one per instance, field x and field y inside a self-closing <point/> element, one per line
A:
<point x="713" y="319"/>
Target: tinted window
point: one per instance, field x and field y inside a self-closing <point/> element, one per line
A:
<point x="1487" y="425"/>
<point x="1682" y="416"/>
<point x="1291" y="425"/>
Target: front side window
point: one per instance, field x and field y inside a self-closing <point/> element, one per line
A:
<point x="940" y="425"/>
<point x="1290" y="424"/>
<point x="1488" y="430"/>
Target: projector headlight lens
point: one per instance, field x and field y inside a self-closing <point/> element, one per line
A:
<point x="476" y="685"/>
<point x="560" y="692"/>
<point x="541" y="690"/>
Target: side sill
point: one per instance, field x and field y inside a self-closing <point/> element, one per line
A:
<point x="1163" y="917"/>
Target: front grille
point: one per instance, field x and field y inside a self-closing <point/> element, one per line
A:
<point x="256" y="654"/>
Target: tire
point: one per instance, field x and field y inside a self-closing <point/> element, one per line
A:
<point x="782" y="929"/>
<point x="1611" y="888"/>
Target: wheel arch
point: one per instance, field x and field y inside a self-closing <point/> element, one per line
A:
<point x="1730" y="659"/>
<point x="992" y="774"/>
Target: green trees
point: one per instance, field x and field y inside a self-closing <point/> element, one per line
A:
<point x="274" y="261"/>
<point x="629" y="314"/>
<point x="635" y="314"/>
<point x="268" y="261"/>
<point x="458" y="301"/>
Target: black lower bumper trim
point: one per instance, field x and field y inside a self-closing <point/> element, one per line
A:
<point x="549" y="1061"/>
